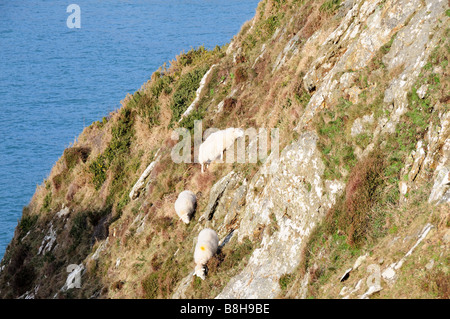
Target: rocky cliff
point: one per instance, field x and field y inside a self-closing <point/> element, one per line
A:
<point x="352" y="202"/>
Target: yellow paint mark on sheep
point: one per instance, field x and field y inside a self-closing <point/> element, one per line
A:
<point x="202" y="248"/>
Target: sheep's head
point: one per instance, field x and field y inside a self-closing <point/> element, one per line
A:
<point x="200" y="270"/>
<point x="185" y="217"/>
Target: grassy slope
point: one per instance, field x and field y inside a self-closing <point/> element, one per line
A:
<point x="94" y="176"/>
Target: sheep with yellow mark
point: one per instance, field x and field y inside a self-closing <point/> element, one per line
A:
<point x="206" y="247"/>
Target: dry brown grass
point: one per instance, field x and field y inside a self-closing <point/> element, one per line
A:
<point x="162" y="252"/>
<point x="353" y="213"/>
<point x="437" y="283"/>
<point x="202" y="182"/>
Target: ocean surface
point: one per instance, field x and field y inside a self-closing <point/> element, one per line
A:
<point x="54" y="81"/>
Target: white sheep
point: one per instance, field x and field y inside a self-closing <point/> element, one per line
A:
<point x="185" y="205"/>
<point x="213" y="147"/>
<point x="206" y="247"/>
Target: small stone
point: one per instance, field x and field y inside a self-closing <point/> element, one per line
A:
<point x="430" y="264"/>
<point x="361" y="125"/>
<point x="347" y="79"/>
<point x="63" y="212"/>
<point x="359" y="261"/>
<point x="388" y="274"/>
<point x="354" y="93"/>
<point x="403" y="186"/>
<point x="422" y="91"/>
<point x="438" y="69"/>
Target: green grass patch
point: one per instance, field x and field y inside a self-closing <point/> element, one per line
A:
<point x="336" y="146"/>
<point x="26" y="224"/>
<point x="330" y="6"/>
<point x="118" y="148"/>
<point x="147" y="106"/>
<point x="47" y="201"/>
<point x="185" y="91"/>
<point x="285" y="281"/>
<point x="199" y="55"/>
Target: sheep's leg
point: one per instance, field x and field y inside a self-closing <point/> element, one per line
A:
<point x="202" y="167"/>
<point x="221" y="156"/>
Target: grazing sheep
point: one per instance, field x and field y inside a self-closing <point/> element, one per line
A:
<point x="206" y="247"/>
<point x="185" y="205"/>
<point x="216" y="143"/>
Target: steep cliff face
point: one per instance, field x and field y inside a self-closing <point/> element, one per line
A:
<point x="354" y="205"/>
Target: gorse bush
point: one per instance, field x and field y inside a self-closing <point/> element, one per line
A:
<point x="162" y="85"/>
<point x="192" y="55"/>
<point x="99" y="168"/>
<point x="195" y="115"/>
<point x="200" y="111"/>
<point x="79" y="226"/>
<point x="212" y="87"/>
<point x="271" y="24"/>
<point x="84" y="229"/>
<point x="147" y="106"/>
<point x="199" y="55"/>
<point x="23" y="279"/>
<point x="122" y="136"/>
<point x="147" y="102"/>
<point x="26" y="224"/>
<point x="47" y="202"/>
<point x="185" y="91"/>
<point x="73" y="155"/>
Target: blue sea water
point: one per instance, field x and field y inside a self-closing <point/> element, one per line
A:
<point x="55" y="80"/>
